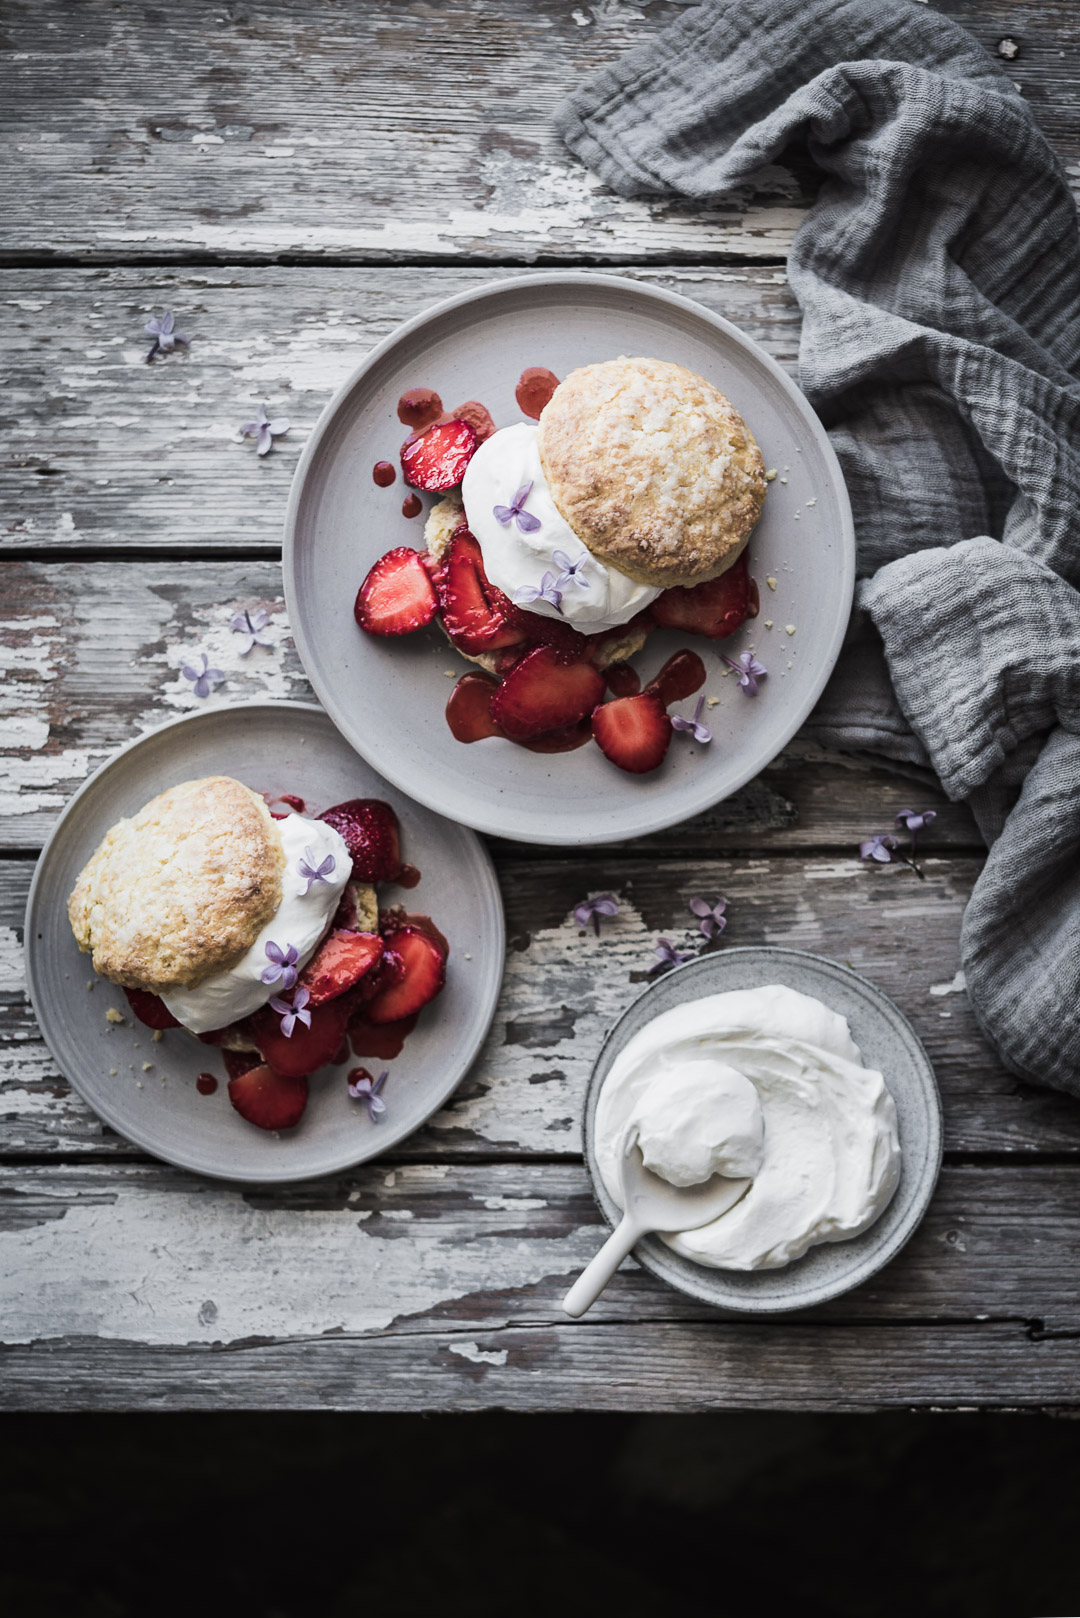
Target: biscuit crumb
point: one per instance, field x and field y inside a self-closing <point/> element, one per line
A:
<point x="138" y="1084"/>
<point x="790" y="628"/>
<point x="768" y="623"/>
<point x="148" y="1067"/>
<point x="468" y="957"/>
<point x="771" y="582"/>
<point x="158" y="1035"/>
<point x="783" y="480"/>
<point x="90" y="984"/>
<point x="710" y="702"/>
<point x="114" y="1016"/>
<point x="449" y="673"/>
<point x="812" y="502"/>
<point x="113" y="1071"/>
<point x="770" y="476"/>
<point x="796" y="516"/>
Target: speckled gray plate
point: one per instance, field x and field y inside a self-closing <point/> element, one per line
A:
<point x="387" y="697"/>
<point x="887" y="1042"/>
<point x="276" y="747"/>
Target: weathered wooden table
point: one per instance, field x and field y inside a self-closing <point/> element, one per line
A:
<point x="293" y="178"/>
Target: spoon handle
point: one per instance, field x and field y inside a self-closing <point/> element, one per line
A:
<point x="598" y="1272"/>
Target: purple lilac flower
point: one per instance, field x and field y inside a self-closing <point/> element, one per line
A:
<point x="602" y="904"/>
<point x="879" y="847"/>
<point x="711" y="918"/>
<point x="913" y="820"/>
<point x="292" y="1014"/>
<point x="701" y="733"/>
<point x="282" y="966"/>
<point x="666" y="955"/>
<point x="369" y="1090"/>
<point x="749" y="670"/>
<point x="205" y="678"/>
<point x="265" y="431"/>
<point x="164" y="333"/>
<point x="252" y="626"/>
<point x="570" y="572"/>
<point x="515" y="512"/>
<point x="548" y="591"/>
<point x="313" y="872"/>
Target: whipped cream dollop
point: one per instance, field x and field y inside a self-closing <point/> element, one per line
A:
<point x="596" y="597"/>
<point x="300" y="919"/>
<point x="830" y="1159"/>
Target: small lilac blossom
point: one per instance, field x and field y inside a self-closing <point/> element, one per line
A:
<point x="701" y="733"/>
<point x="711" y="918"/>
<point x="570" y="572"/>
<point x="369" y="1090"/>
<point x="205" y="678"/>
<point x="252" y="625"/>
<point x="315" y="873"/>
<point x="548" y="590"/>
<point x="913" y="820"/>
<point x="164" y="333"/>
<point x="265" y="431"/>
<point x="282" y="966"/>
<point x="666" y="955"/>
<point x="879" y="847"/>
<point x="292" y="1014"/>
<point x="603" y="904"/>
<point x="515" y="512"/>
<point x="749" y="670"/>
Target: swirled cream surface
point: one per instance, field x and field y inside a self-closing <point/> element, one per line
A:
<point x="595" y="597"/>
<point x="300" y="920"/>
<point x="829" y="1151"/>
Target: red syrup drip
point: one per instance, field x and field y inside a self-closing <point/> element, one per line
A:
<point x="622" y="680"/>
<point x="560" y="741"/>
<point x="535" y="387"/>
<point x="384" y="473"/>
<point x="419" y="407"/>
<point x="408" y="877"/>
<point x="468" y="712"/>
<point x="206" y="1084"/>
<point x="296" y="804"/>
<point x="477" y="415"/>
<point x="412" y="506"/>
<point x="383" y="1040"/>
<point x="755" y="600"/>
<point x="680" y="677"/>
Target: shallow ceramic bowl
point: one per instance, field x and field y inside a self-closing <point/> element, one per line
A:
<point x="887" y="1042"/>
<point x="388" y="696"/>
<point x="276" y="747"/>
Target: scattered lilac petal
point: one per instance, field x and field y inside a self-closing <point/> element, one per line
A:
<point x="701" y="732"/>
<point x="205" y="679"/>
<point x="252" y="625"/>
<point x="313" y="872"/>
<point x="603" y="904"/>
<point x="666" y="955"/>
<point x="749" y="670"/>
<point x="292" y="1014"/>
<point x="879" y="847"/>
<point x="164" y="333"/>
<point x="711" y="918"/>
<point x="265" y="431"/>
<point x="370" y="1090"/>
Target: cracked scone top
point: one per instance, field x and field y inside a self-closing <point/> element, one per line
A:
<point x="653" y="468"/>
<point x="181" y="890"/>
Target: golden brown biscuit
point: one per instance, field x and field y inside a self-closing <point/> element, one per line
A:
<point x="653" y="468"/>
<point x="181" y="890"/>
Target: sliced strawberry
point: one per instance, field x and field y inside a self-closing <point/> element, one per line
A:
<point x="716" y="608"/>
<point x="633" y="732"/>
<point x="306" y="1049"/>
<point x="622" y="680"/>
<point x="238" y="1062"/>
<point x="436" y="460"/>
<point x="340" y="961"/>
<point x="396" y="920"/>
<point x="680" y="677"/>
<point x="372" y="835"/>
<point x="384" y="1040"/>
<point x="397" y="596"/>
<point x="150" y="1009"/>
<point x="267" y="1099"/>
<point x="546" y="691"/>
<point x="477" y="616"/>
<point x="425" y="974"/>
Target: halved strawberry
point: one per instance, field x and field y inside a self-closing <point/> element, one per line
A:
<point x="372" y="835"/>
<point x="340" y="961"/>
<point x="436" y="460"/>
<point x="384" y="1040"/>
<point x="150" y="1009"/>
<point x="716" y="608"/>
<point x="546" y="691"/>
<point x="633" y="732"/>
<point x="396" y="919"/>
<point x="397" y="595"/>
<point x="477" y="616"/>
<point x="306" y="1049"/>
<point x="268" y="1099"/>
<point x="425" y="974"/>
<point x="680" y="677"/>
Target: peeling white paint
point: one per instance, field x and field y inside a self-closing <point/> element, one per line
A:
<point x="957" y="986"/>
<point x="478" y="1355"/>
<point x="22" y="730"/>
<point x="12" y="965"/>
<point x="514" y="1204"/>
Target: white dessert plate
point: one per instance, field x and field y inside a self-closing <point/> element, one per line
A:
<point x="275" y="747"/>
<point x="388" y="696"/>
<point x="887" y="1042"/>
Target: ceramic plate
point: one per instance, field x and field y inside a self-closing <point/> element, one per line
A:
<point x="887" y="1042"/>
<point x="276" y="747"/>
<point x="387" y="696"/>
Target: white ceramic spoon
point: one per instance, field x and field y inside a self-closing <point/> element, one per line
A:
<point x="650" y="1203"/>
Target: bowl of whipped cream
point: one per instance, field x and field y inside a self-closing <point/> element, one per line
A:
<point x="789" y="1071"/>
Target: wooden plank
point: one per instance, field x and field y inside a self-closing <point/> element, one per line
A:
<point x="103" y="451"/>
<point x="452" y="1278"/>
<point x="563" y="989"/>
<point x="395" y="128"/>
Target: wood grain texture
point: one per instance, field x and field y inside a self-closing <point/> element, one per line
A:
<point x="377" y="130"/>
<point x="193" y="1291"/>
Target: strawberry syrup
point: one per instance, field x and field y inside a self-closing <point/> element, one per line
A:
<point x="412" y="506"/>
<point x="468" y="712"/>
<point x="535" y="387"/>
<point x="206" y="1084"/>
<point x="385" y="1039"/>
<point x="384" y="473"/>
<point x="622" y="680"/>
<point x="419" y="407"/>
<point x="409" y="876"/>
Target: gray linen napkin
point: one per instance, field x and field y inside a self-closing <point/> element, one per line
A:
<point x="939" y="278"/>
